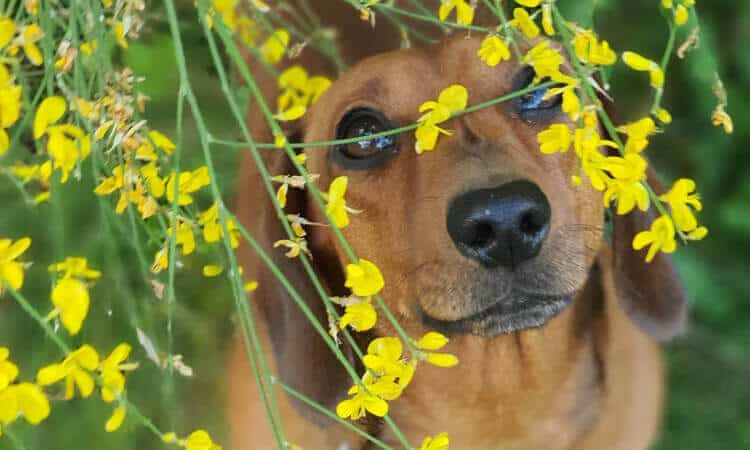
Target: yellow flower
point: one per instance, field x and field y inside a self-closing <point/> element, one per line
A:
<point x="435" y="341"/>
<point x="523" y="22"/>
<point x="591" y="51"/>
<point x="71" y="299"/>
<point x="364" y="278"/>
<point x="212" y="230"/>
<point x="200" y="440"/>
<point x="638" y="133"/>
<point x="546" y="61"/>
<point x="23" y="399"/>
<point x="681" y="198"/>
<point x="556" y="138"/>
<point x="75" y="369"/>
<point x="681" y="15"/>
<point x="184" y="237"/>
<point x="8" y="370"/>
<point x="626" y="187"/>
<point x="451" y="100"/>
<point x="493" y="51"/>
<point x="439" y="442"/>
<point x="547" y="24"/>
<point x="75" y="267"/>
<point x="373" y="400"/>
<point x="336" y="206"/>
<point x="162" y="142"/>
<point x="298" y="91"/>
<point x="88" y="47"/>
<point x="11" y="271"/>
<point x="641" y="64"/>
<point x="30" y="35"/>
<point x="464" y="11"/>
<point x="296" y="246"/>
<point x="155" y="183"/>
<point x="275" y="46"/>
<point x="361" y="316"/>
<point x="161" y="260"/>
<point x="112" y="368"/>
<point x="659" y="237"/>
<point x="119" y="31"/>
<point x="189" y="182"/>
<point x="529" y="3"/>
<point x="384" y="356"/>
<point x="212" y="270"/>
<point x="67" y="145"/>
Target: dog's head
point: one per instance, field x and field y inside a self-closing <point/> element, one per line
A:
<point x="483" y="235"/>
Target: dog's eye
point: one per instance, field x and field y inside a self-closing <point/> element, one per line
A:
<point x="532" y="106"/>
<point x="360" y="123"/>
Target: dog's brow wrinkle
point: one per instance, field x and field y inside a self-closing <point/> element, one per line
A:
<point x="372" y="88"/>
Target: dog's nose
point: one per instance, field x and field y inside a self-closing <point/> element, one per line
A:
<point x="502" y="226"/>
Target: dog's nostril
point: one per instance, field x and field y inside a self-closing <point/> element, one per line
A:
<point x="483" y="233"/>
<point x="531" y="223"/>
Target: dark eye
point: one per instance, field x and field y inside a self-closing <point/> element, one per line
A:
<point x="360" y="123"/>
<point x="532" y="106"/>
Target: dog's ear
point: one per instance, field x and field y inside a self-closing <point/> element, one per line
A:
<point x="652" y="294"/>
<point x="302" y="358"/>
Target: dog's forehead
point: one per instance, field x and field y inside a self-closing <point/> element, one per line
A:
<point x="400" y="81"/>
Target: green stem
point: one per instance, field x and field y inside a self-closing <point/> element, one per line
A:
<point x="269" y="402"/>
<point x="300" y="396"/>
<point x="393" y="131"/>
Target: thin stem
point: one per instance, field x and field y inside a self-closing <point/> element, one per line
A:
<point x="431" y="19"/>
<point x="270" y="404"/>
<point x="392" y="131"/>
<point x="300" y="396"/>
<point x="508" y="29"/>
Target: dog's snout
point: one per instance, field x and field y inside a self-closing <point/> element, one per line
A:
<point x="502" y="226"/>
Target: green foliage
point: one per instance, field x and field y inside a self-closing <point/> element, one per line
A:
<point x="709" y="401"/>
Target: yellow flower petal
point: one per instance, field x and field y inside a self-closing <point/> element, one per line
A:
<point x="212" y="270"/>
<point x="7" y="30"/>
<point x="71" y="297"/>
<point x="162" y="141"/>
<point x="50" y="110"/>
<point x="432" y="341"/>
<point x="364" y="278"/>
<point x="115" y="420"/>
<point x="442" y="359"/>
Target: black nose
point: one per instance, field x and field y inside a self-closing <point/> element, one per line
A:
<point x="502" y="226"/>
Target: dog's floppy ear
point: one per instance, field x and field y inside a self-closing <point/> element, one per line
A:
<point x="652" y="294"/>
<point x="302" y="358"/>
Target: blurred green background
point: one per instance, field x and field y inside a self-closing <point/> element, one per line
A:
<point x="709" y="367"/>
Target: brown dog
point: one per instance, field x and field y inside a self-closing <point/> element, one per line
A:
<point x="484" y="239"/>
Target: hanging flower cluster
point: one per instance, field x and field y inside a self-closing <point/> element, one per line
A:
<point x="621" y="176"/>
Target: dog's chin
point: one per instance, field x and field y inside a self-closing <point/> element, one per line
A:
<point x="523" y="312"/>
